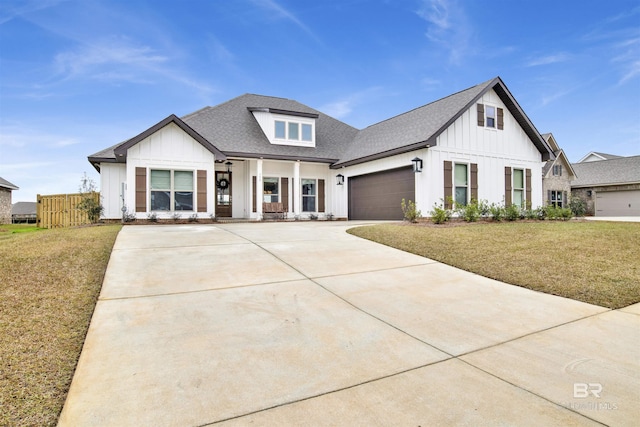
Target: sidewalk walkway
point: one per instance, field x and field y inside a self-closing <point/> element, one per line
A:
<point x="304" y="324"/>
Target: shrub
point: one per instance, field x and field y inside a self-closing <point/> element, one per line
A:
<point x="440" y="215"/>
<point x="128" y="216"/>
<point x="551" y="212"/>
<point x="530" y="213"/>
<point x="176" y="216"/>
<point x="90" y="203"/>
<point x="578" y="206"/>
<point x="409" y="210"/>
<point x="469" y="212"/>
<point x="152" y="217"/>
<point x="541" y="213"/>
<point x="193" y="218"/>
<point x="512" y="213"/>
<point x="484" y="208"/>
<point x="497" y="212"/>
<point x="566" y="213"/>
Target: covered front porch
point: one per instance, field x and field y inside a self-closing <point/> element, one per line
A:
<point x="259" y="189"/>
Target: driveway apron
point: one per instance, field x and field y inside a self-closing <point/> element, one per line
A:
<point x="303" y="324"/>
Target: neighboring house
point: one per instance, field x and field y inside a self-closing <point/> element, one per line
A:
<point x="596" y="157"/>
<point x="24" y="212"/>
<point x="557" y="175"/>
<point x="241" y="157"/>
<point x="5" y="200"/>
<point x="609" y="187"/>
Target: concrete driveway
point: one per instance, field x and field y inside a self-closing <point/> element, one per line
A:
<point x="303" y="324"/>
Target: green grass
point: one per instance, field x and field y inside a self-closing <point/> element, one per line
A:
<point x="49" y="284"/>
<point x="9" y="229"/>
<point x="594" y="262"/>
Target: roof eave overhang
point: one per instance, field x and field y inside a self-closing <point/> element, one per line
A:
<point x="121" y="150"/>
<point x="523" y="120"/>
<point x="233" y="154"/>
<point x="400" y="150"/>
<point x="604" y="184"/>
<point x="284" y="112"/>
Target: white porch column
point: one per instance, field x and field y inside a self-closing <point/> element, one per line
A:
<point x="259" y="189"/>
<point x="296" y="188"/>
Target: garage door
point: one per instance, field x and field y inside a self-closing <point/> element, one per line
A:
<point x="618" y="203"/>
<point x="378" y="195"/>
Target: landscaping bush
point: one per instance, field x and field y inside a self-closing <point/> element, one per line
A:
<point x="578" y="206"/>
<point x="469" y="212"/>
<point x="409" y="210"/>
<point x="152" y="217"/>
<point x="497" y="212"/>
<point x="440" y="215"/>
<point x="512" y="212"/>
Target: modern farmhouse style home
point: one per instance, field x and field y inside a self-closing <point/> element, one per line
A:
<point x="256" y="155"/>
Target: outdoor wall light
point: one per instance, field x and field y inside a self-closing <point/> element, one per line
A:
<point x="339" y="179"/>
<point x="228" y="165"/>
<point x="588" y="193"/>
<point x="417" y="165"/>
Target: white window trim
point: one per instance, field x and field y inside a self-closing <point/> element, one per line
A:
<point x="495" y="116"/>
<point x="524" y="185"/>
<point x="315" y="196"/>
<point x="468" y="186"/>
<point x="264" y="178"/>
<point x="172" y="190"/>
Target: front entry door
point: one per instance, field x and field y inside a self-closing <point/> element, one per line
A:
<point x="223" y="194"/>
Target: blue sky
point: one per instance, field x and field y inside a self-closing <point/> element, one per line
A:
<point x="79" y="76"/>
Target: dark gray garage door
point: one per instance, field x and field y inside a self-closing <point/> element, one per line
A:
<point x="378" y="195"/>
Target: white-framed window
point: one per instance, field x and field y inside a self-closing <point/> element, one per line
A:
<point x="271" y="190"/>
<point x="556" y="197"/>
<point x="293" y="131"/>
<point x="280" y="129"/>
<point x="309" y="194"/>
<point x="171" y="190"/>
<point x="490" y="116"/>
<point x="461" y="183"/>
<point x="518" y="187"/>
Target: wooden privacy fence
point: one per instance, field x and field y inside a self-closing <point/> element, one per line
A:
<point x="61" y="210"/>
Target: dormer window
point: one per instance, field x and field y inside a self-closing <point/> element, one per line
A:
<point x="283" y="127"/>
<point x="293" y="131"/>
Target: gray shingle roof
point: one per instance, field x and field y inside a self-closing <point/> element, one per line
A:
<point x="420" y="127"/>
<point x="24" y="208"/>
<point x="232" y="128"/>
<point x="6" y="184"/>
<point x="621" y="170"/>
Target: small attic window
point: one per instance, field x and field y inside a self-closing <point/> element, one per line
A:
<point x="293" y="131"/>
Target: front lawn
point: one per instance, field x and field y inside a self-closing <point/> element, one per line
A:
<point x="49" y="284"/>
<point x="594" y="262"/>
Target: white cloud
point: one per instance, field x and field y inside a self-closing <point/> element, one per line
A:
<point x="448" y="27"/>
<point x="343" y="107"/>
<point x="281" y="12"/>
<point x="548" y="59"/>
<point x="90" y="59"/>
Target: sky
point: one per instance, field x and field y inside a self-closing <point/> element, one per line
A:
<point x="79" y="76"/>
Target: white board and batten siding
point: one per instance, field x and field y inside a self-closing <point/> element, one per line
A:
<point x="491" y="149"/>
<point x="170" y="148"/>
<point x="463" y="142"/>
<point x="113" y="176"/>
